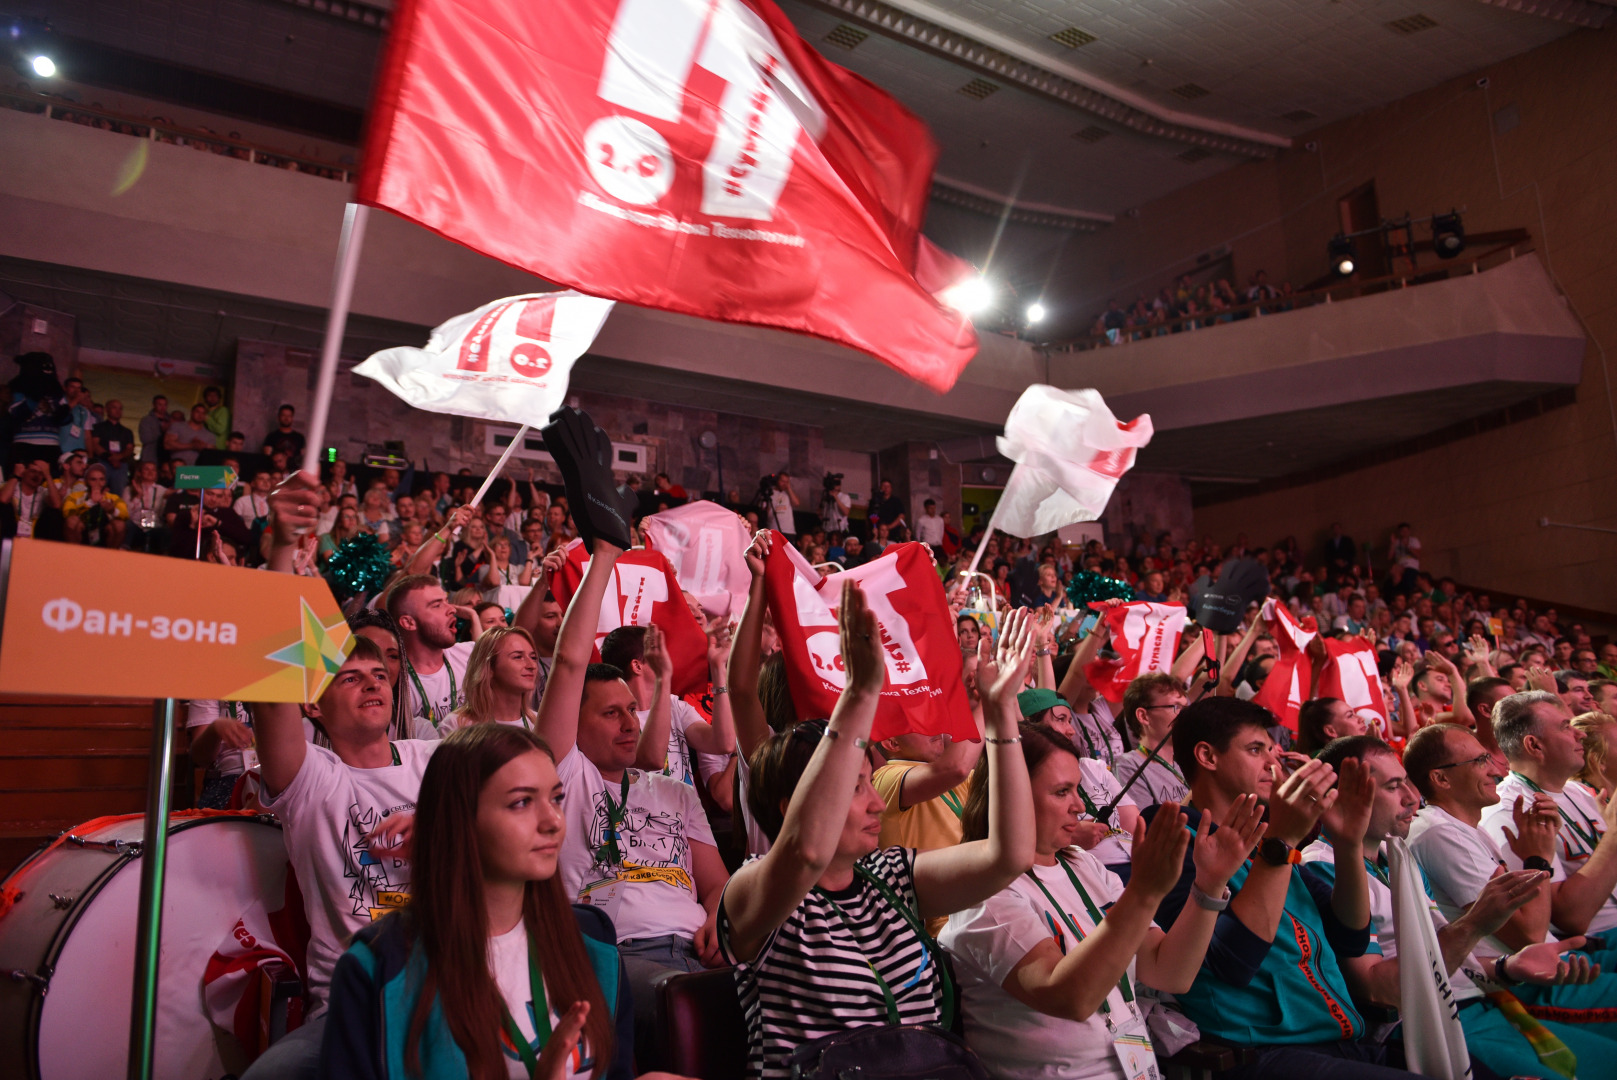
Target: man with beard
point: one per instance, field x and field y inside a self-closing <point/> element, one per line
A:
<point x="434" y="665"/>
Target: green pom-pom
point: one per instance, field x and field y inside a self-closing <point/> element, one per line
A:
<point x="359" y="565"/>
<point x="1087" y="586"/>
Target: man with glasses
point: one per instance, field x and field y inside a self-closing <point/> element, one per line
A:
<point x="1151" y="704"/>
<point x="1545" y="752"/>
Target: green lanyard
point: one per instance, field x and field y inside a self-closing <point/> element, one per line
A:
<point x="432" y="713"/>
<point x="1379" y="872"/>
<point x="952" y="801"/>
<point x="391" y="746"/>
<point x="1153" y="756"/>
<point x="1591" y="839"/>
<point x="541" y="1016"/>
<point x="614" y="822"/>
<point x="1078" y="935"/>
<point x="927" y="943"/>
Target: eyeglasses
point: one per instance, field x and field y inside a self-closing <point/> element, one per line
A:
<point x="1177" y="708"/>
<point x="1480" y="759"/>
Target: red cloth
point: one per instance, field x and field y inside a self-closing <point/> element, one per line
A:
<point x="699" y="158"/>
<point x="923" y="691"/>
<point x="1351" y="675"/>
<point x="643" y="591"/>
<point x="1146" y="638"/>
<point x="1286" y="688"/>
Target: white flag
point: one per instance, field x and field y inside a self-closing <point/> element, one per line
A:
<point x="707" y="545"/>
<point x="1069" y="451"/>
<point x="509" y="360"/>
<point x="1434" y="1043"/>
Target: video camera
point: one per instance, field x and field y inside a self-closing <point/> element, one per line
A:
<point x="832" y="480"/>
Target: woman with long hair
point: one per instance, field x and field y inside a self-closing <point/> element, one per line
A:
<point x="498" y="570"/>
<point x="346" y="527"/>
<point x="825" y="902"/>
<point x="487" y="973"/>
<point x="1599" y="772"/>
<point x="1048" y="965"/>
<point x="468" y="556"/>
<point x="500" y="675"/>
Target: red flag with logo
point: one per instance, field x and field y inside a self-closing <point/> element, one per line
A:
<point x="1145" y="637"/>
<point x="1351" y="674"/>
<point x="643" y="592"/>
<point x="1286" y="688"/>
<point x="924" y="691"/>
<point x="694" y="157"/>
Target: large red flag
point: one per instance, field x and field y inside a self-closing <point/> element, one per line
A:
<point x="1351" y="675"/>
<point x="1145" y="637"/>
<point x="924" y="691"/>
<point x="643" y="591"/>
<point x="690" y="155"/>
<point x="1286" y="688"/>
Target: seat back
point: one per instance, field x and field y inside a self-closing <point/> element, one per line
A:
<point x="701" y="1029"/>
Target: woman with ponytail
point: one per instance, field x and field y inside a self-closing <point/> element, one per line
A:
<point x="487" y="973"/>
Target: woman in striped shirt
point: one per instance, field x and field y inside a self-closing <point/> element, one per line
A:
<point x="825" y="930"/>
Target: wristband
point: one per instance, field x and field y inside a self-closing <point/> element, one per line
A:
<point x="1210" y="903"/>
<point x="717" y="690"/>
<point x="1002" y="742"/>
<point x="833" y="733"/>
<point x="1536" y="862"/>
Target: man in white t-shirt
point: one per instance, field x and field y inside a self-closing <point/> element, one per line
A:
<point x="1535" y="732"/>
<point x="638" y="844"/>
<point x="253" y="507"/>
<point x="345" y="812"/>
<point x="672" y="731"/>
<point x="929" y="526"/>
<point x="434" y="665"/>
<point x="782" y="500"/>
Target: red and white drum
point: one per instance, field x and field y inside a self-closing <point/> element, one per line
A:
<point x="67" y="946"/>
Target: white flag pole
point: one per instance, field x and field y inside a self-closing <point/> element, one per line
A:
<point x="499" y="465"/>
<point x="977" y="558"/>
<point x="342" y="291"/>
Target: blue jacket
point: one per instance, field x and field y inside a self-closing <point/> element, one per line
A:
<point x="378" y="981"/>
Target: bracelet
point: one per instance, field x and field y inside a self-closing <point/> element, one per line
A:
<point x="1210" y="903"/>
<point x="833" y="733"/>
<point x="438" y="536"/>
<point x="717" y="690"/>
<point x="1001" y="742"/>
<point x="1042" y="652"/>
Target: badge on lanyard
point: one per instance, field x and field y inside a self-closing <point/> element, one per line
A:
<point x="1132" y="1044"/>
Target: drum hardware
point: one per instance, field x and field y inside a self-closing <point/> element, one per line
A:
<point x="60" y="902"/>
<point x="17" y="975"/>
<point x="114" y="846"/>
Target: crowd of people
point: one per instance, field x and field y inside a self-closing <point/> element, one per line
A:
<point x="509" y="832"/>
<point x="1184" y="306"/>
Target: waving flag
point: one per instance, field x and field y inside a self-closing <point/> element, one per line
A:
<point x="707" y="545"/>
<point x="1289" y="681"/>
<point x="1351" y="675"/>
<point x="643" y="591"/>
<point x="1070" y="451"/>
<point x="1146" y="638"/>
<point x="509" y="360"/>
<point x="924" y="691"/>
<point x="690" y="155"/>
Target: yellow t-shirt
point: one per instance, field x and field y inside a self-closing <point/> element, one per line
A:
<point x="934" y="823"/>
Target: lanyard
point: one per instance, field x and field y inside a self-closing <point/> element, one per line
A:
<point x="1089" y="805"/>
<point x="395" y="750"/>
<point x="541" y="1017"/>
<point x="1591" y="839"/>
<point x="952" y="801"/>
<point x="1153" y="756"/>
<point x="927" y="944"/>
<point x="1078" y="935"/>
<point x="614" y="822"/>
<point x="432" y="712"/>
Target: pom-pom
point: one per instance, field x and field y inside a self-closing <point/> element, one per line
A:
<point x="1087" y="586"/>
<point x="359" y="565"/>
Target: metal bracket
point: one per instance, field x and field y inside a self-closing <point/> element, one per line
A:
<point x="18" y="975"/>
<point x="117" y="847"/>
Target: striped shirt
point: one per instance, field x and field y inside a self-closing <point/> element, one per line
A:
<point x="812" y="976"/>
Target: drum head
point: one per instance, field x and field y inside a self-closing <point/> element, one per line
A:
<point x="217" y="868"/>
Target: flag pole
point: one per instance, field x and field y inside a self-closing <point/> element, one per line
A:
<point x="499" y="466"/>
<point x="977" y="558"/>
<point x="342" y="291"/>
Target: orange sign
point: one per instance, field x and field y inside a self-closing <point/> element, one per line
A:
<point x="89" y="622"/>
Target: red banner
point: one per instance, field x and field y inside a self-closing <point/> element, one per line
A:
<point x="1146" y="638"/>
<point x="924" y="691"/>
<point x="1351" y="675"/>
<point x="1286" y="688"/>
<point x="643" y="591"/>
<point x="694" y="157"/>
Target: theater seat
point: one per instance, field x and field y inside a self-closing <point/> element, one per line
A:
<point x="1203" y="1060"/>
<point x="701" y="1030"/>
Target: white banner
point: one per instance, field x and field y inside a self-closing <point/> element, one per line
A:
<point x="1434" y="1042"/>
<point x="509" y="360"/>
<point x="707" y="545"/>
<point x="1070" y="452"/>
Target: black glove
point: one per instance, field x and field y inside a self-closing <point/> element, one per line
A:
<point x="583" y="453"/>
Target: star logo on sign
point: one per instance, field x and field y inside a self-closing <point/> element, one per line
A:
<point x="317" y="651"/>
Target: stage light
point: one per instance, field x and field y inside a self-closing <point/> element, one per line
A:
<point x="1035" y="312"/>
<point x="43" y="66"/>
<point x="971" y="296"/>
<point x="1340" y="250"/>
<point x="1448" y="235"/>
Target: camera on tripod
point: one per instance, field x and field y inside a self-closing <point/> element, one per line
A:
<point x="832" y="480"/>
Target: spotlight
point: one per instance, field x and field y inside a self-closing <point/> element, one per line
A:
<point x="43" y="66"/>
<point x="970" y="297"/>
<point x="1035" y="312"/>
<point x="1340" y="250"/>
<point x="1448" y="235"/>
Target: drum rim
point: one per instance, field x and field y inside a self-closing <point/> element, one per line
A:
<point x="81" y="904"/>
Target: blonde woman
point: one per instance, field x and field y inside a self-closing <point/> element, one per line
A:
<point x="499" y="681"/>
<point x="1599" y="751"/>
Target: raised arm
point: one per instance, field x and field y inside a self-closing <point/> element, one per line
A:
<point x="765" y="891"/>
<point x="1296" y="804"/>
<point x="954" y="878"/>
<point x="1231" y="666"/>
<point x="751" y="727"/>
<point x="1189" y="659"/>
<point x="575" y="644"/>
<point x="278" y="725"/>
<point x="433" y="548"/>
<point x="1075" y="687"/>
<point x="527" y="613"/>
<point x="651" y="752"/>
<point x="716" y="736"/>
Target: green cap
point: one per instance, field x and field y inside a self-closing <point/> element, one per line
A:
<point x="1033" y="702"/>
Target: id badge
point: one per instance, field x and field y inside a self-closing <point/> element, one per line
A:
<point x="1132" y="1044"/>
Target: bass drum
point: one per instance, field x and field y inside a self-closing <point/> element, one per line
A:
<point x="67" y="945"/>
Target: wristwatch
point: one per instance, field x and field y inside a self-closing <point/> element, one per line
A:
<point x="1276" y="852"/>
<point x="1536" y="862"/>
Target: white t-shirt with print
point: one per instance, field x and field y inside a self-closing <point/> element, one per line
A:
<point x="230" y="761"/>
<point x="436" y="687"/>
<point x="780" y="513"/>
<point x="1096" y="734"/>
<point x="989" y="940"/>
<point x="1102" y="787"/>
<point x="508" y="959"/>
<point x="653" y="892"/>
<point x="1581" y="830"/>
<point x="326" y="812"/>
<point x="1160" y="781"/>
<point x="681" y="760"/>
<point x="457" y="720"/>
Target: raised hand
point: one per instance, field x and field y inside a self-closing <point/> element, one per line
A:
<point x="551" y="564"/>
<point x="1159" y="852"/>
<point x="758" y="552"/>
<point x="1300" y="799"/>
<point x="863" y="660"/>
<point x="1537" y="825"/>
<point x="719" y="639"/>
<point x="1218" y="855"/>
<point x="1552" y="963"/>
<point x="1002" y="672"/>
<point x="1541" y="679"/>
<point x="294" y="508"/>
<point x="1348" y="819"/>
<point x="1403" y="673"/>
<point x="1503" y="894"/>
<point x="656" y="655"/>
